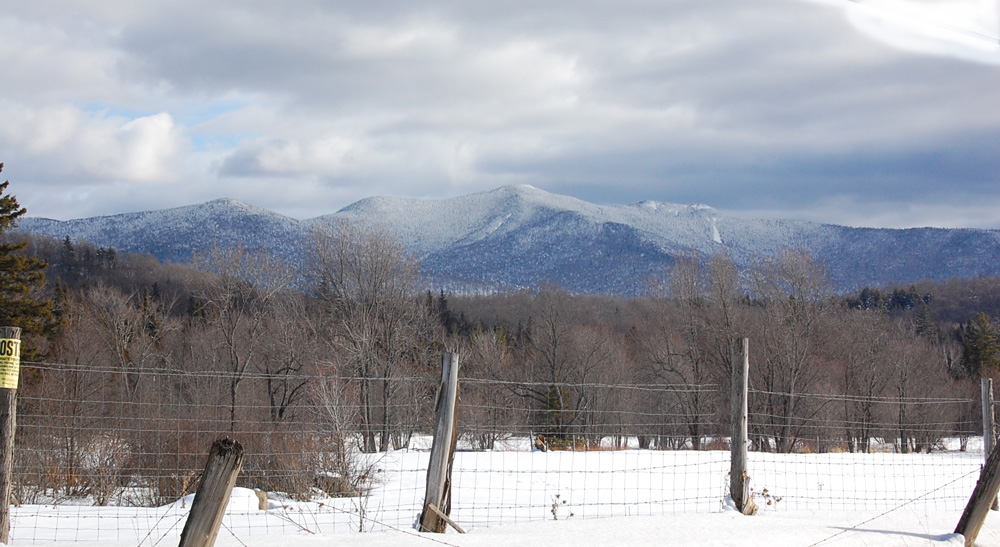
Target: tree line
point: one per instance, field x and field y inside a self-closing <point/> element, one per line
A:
<point x="826" y="374"/>
<point x="343" y="355"/>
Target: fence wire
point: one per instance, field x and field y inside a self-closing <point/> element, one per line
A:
<point x="105" y="453"/>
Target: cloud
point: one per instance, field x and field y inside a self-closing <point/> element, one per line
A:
<point x="91" y="146"/>
<point x="145" y="147"/>
<point x="883" y="212"/>
<point x="964" y="29"/>
<point x="743" y="106"/>
<point x="282" y="158"/>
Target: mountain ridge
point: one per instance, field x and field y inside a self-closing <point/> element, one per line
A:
<point x="520" y="236"/>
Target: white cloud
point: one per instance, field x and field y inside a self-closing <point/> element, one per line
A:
<point x="527" y="72"/>
<point x="413" y="40"/>
<point x="91" y="147"/>
<point x="39" y="131"/>
<point x="965" y="29"/>
<point x="144" y="148"/>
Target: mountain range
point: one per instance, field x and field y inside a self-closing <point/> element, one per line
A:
<point x="521" y="236"/>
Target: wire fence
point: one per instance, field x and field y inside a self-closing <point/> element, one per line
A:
<point x="852" y="452"/>
<point x="105" y="453"/>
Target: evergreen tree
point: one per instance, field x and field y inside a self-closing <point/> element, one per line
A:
<point x="904" y="299"/>
<point x="925" y="323"/>
<point x="870" y="299"/>
<point x="980" y="346"/>
<point x="21" y="278"/>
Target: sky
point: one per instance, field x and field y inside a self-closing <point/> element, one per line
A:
<point x="876" y="113"/>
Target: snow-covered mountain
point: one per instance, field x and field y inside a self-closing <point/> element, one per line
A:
<point x="520" y="236"/>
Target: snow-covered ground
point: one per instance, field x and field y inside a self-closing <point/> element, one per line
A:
<point x="583" y="499"/>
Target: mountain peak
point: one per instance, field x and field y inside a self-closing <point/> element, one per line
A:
<point x="374" y="205"/>
<point x="519" y="235"/>
<point x="518" y="189"/>
<point x="676" y="208"/>
<point x="231" y="203"/>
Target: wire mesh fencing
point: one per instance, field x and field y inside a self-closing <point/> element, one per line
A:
<point x="106" y="453"/>
<point x="113" y="454"/>
<point x="849" y="452"/>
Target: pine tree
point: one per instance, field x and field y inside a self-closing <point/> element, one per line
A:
<point x="925" y="323"/>
<point x="980" y="346"/>
<point x="21" y="277"/>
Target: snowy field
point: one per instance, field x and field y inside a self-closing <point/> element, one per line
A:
<point x="622" y="497"/>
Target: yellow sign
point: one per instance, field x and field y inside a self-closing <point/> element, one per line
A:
<point x="10" y="362"/>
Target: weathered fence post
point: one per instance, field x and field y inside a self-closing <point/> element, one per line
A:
<point x="739" y="487"/>
<point x="989" y="430"/>
<point x="210" y="501"/>
<point x="10" y="368"/>
<point x="982" y="497"/>
<point x="437" y="500"/>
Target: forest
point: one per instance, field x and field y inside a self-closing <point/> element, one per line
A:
<point x="345" y="354"/>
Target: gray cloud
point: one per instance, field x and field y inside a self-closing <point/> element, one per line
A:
<point x="791" y="108"/>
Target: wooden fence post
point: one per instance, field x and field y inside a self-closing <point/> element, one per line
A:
<point x="224" y="462"/>
<point x="739" y="487"/>
<point x="982" y="497"/>
<point x="10" y="368"/>
<point x="989" y="429"/>
<point x="437" y="500"/>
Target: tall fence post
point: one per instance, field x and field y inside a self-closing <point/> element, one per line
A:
<point x="739" y="487"/>
<point x="437" y="500"/>
<point x="989" y="430"/>
<point x="10" y="368"/>
<point x="223" y="466"/>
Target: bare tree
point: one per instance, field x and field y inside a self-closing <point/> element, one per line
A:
<point x="860" y="340"/>
<point x="376" y="319"/>
<point x="489" y="407"/>
<point x="113" y="342"/>
<point x="793" y="292"/>
<point x="918" y="376"/>
<point x="131" y="327"/>
<point x="330" y="392"/>
<point x="678" y="362"/>
<point x="673" y="347"/>
<point x="288" y="351"/>
<point x="54" y="461"/>
<point x="687" y="338"/>
<point x="726" y="315"/>
<point x="237" y="303"/>
<point x="562" y="360"/>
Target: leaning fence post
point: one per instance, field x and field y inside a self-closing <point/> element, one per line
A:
<point x="738" y="485"/>
<point x="210" y="501"/>
<point x="989" y="430"/>
<point x="437" y="500"/>
<point x="982" y="497"/>
<point x="10" y="368"/>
